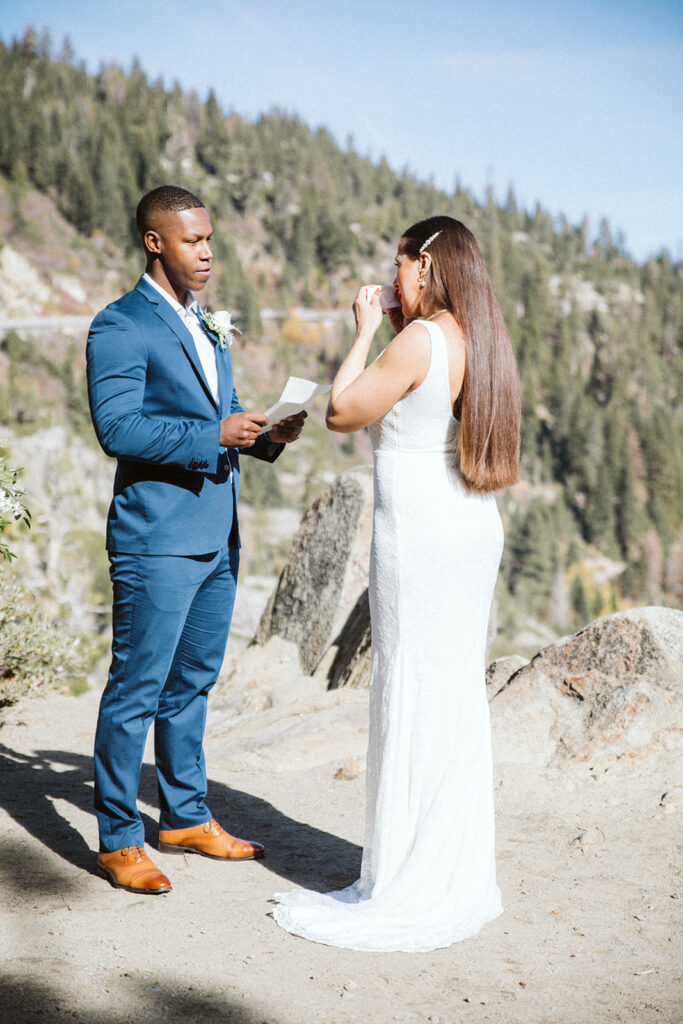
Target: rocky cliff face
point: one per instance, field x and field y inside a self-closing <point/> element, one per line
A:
<point x="62" y="558"/>
<point x="611" y="693"/>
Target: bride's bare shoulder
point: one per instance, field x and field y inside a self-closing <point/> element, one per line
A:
<point x="413" y="342"/>
<point x="409" y="354"/>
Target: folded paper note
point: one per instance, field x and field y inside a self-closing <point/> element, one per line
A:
<point x="296" y="396"/>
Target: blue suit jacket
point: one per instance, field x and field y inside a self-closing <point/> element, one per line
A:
<point x="154" y="412"/>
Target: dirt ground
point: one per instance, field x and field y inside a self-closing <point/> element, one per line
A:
<point x="587" y="865"/>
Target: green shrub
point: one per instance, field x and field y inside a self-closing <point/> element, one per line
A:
<point x="36" y="654"/>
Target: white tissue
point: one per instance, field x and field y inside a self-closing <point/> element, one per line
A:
<point x="387" y="295"/>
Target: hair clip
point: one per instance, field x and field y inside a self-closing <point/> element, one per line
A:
<point x="429" y="241"/>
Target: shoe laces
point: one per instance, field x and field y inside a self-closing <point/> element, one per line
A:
<point x="136" y="851"/>
<point x="212" y="826"/>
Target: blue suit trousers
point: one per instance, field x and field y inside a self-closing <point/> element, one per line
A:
<point x="171" y="616"/>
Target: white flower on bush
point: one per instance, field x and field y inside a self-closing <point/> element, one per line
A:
<point x="11" y="505"/>
<point x="10" y="508"/>
<point x="220" y="324"/>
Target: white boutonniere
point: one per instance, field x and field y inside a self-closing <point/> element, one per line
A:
<point x="219" y="324"/>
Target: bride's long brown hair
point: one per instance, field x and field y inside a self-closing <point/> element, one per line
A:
<point x="487" y="444"/>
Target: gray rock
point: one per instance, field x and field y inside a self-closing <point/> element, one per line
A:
<point x="326" y="571"/>
<point x="626" y="647"/>
<point x="329" y="727"/>
<point x="352" y="661"/>
<point x="500" y="671"/>
<point x="614" y="690"/>
<point x="257" y="678"/>
<point x="252" y="597"/>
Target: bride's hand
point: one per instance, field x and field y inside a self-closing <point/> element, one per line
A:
<point x="367" y="311"/>
<point x="397" y="319"/>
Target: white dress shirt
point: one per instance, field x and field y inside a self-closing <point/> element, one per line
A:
<point x="206" y="350"/>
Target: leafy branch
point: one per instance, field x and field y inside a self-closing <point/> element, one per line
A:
<point x="12" y="506"/>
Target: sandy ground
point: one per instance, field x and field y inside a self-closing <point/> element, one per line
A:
<point x="591" y="930"/>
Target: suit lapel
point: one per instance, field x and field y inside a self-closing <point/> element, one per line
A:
<point x="165" y="312"/>
<point x="224" y="366"/>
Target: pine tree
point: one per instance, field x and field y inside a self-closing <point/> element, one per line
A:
<point x="579" y="601"/>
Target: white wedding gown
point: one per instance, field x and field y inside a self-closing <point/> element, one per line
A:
<point x="428" y="873"/>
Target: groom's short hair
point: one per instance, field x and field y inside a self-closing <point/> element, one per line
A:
<point x="166" y="199"/>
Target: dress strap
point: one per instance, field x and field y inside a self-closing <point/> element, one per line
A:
<point x="438" y="366"/>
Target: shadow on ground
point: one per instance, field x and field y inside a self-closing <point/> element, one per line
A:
<point x="295" y="851"/>
<point x="30" y="1000"/>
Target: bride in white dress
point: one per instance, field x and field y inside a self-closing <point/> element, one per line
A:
<point x="428" y="872"/>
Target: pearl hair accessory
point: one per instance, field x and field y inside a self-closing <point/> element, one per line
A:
<point x="429" y="240"/>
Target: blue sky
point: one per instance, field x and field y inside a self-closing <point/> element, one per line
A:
<point x="578" y="104"/>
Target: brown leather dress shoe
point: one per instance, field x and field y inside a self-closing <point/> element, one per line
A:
<point x="210" y="840"/>
<point x="130" y="868"/>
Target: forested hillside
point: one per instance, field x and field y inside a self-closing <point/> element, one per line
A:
<point x="300" y="220"/>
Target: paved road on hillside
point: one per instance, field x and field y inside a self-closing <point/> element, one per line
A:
<point x="81" y="322"/>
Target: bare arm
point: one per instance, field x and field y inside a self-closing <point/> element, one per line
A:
<point x="361" y="394"/>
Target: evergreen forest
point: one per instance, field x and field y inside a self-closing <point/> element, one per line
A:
<point x="301" y="221"/>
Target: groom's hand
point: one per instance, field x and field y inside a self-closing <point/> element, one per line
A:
<point x="241" y="429"/>
<point x="287" y="430"/>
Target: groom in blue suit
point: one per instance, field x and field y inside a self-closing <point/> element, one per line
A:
<point x="164" y="404"/>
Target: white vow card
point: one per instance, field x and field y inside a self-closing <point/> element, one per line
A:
<point x="296" y="396"/>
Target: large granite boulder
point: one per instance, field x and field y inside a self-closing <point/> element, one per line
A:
<point x="326" y="573"/>
<point x="321" y="601"/>
<point x="613" y="690"/>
